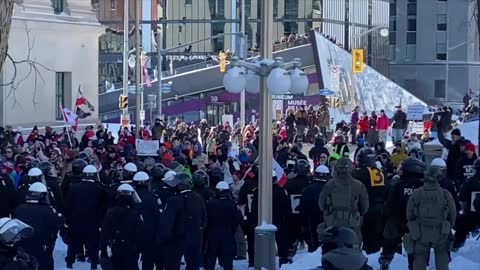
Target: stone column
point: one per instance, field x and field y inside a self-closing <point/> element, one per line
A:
<point x="82" y="9"/>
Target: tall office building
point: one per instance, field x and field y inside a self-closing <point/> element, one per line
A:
<point x="346" y="21"/>
<point x="434" y="48"/>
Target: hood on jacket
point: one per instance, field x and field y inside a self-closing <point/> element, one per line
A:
<point x="319" y="142"/>
<point x="345" y="259"/>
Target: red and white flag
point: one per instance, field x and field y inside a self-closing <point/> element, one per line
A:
<point x="282" y="178"/>
<point x="70" y="118"/>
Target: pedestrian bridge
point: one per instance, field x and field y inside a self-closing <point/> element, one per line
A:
<point x="191" y="83"/>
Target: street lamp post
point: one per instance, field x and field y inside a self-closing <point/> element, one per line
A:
<point x="270" y="77"/>
<point x="125" y="116"/>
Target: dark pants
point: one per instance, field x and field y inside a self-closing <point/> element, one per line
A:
<point x="249" y="231"/>
<point x="372" y="229"/>
<point x="283" y="245"/>
<point x="148" y="250"/>
<point x="78" y="240"/>
<point x="43" y="254"/>
<point x="353" y="134"/>
<point x="124" y="258"/>
<point x="311" y="235"/>
<point x="223" y="249"/>
<point x="323" y="131"/>
<point x="169" y="257"/>
<point x="463" y="226"/>
<point x="193" y="251"/>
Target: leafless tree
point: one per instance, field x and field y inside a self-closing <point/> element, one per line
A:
<point x="6" y="10"/>
<point x="34" y="67"/>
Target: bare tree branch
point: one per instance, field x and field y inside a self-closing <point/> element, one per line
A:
<point x="33" y="68"/>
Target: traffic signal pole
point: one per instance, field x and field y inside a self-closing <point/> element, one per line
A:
<point x="125" y="118"/>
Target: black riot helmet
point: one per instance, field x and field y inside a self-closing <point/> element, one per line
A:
<point x="216" y="175"/>
<point x="413" y="166"/>
<point x="78" y="165"/>
<point x="140" y="166"/>
<point x="149" y="163"/>
<point x="158" y="171"/>
<point x="200" y="179"/>
<point x="302" y="167"/>
<point x="366" y="158"/>
<point x="85" y="156"/>
<point x="183" y="180"/>
<point x="47" y="168"/>
<point x="338" y="237"/>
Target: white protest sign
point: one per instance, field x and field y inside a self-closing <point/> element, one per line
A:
<point x="415" y="112"/>
<point x="147" y="147"/>
<point x="417" y="127"/>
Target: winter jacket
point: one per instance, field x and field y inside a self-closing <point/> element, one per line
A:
<point x="157" y="132"/>
<point x="363" y="125"/>
<point x="7" y="196"/>
<point x="301" y="118"/>
<point x="464" y="169"/>
<point x="323" y="118"/>
<point x="399" y="120"/>
<point x="398" y="195"/>
<point x="344" y="259"/>
<point x="354" y="118"/>
<point x="382" y="122"/>
<point x="465" y="196"/>
<point x="454" y="154"/>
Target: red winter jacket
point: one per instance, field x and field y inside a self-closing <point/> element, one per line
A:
<point x="382" y="122"/>
<point x="363" y="125"/>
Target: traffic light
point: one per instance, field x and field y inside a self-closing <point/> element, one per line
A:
<point x="223" y="62"/>
<point x="123" y="102"/>
<point x="358" y="60"/>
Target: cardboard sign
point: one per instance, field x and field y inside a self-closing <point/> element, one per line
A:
<point x="415" y="112"/>
<point x="147" y="148"/>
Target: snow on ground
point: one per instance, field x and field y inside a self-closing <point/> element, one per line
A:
<point x="466" y="259"/>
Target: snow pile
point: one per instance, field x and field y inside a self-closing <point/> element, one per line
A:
<point x="466" y="259"/>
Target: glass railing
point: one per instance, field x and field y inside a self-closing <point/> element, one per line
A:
<point x="251" y="53"/>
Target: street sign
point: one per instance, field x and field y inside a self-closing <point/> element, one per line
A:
<point x="326" y="92"/>
<point x="166" y="88"/>
<point x="142" y="115"/>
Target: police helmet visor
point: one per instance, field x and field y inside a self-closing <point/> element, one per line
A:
<point x="14" y="230"/>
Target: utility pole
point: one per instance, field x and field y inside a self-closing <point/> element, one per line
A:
<point x="125" y="118"/>
<point x="478" y="29"/>
<point x="138" y="66"/>
<point x="243" y="56"/>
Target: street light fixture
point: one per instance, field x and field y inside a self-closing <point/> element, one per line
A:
<point x="279" y="80"/>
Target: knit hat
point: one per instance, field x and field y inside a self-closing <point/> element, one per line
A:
<point x="470" y="147"/>
<point x="456" y="131"/>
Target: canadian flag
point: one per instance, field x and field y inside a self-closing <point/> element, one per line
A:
<point x="70" y="118"/>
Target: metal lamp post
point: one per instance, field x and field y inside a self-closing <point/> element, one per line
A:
<point x="272" y="78"/>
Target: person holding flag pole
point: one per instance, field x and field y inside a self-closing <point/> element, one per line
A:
<point x="70" y="119"/>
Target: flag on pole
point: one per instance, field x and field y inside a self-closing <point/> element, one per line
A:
<point x="70" y="118"/>
<point x="83" y="107"/>
<point x="282" y="178"/>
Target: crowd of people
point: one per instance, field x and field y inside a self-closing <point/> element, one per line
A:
<point x="197" y="198"/>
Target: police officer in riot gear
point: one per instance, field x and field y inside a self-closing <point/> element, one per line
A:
<point x="75" y="176"/>
<point x="46" y="222"/>
<point x="245" y="200"/>
<point x="157" y="173"/>
<point x="148" y="208"/>
<point x="431" y="214"/>
<point x="445" y="182"/>
<point x="309" y="209"/>
<point x="223" y="220"/>
<point x="343" y="200"/>
<point x="53" y="183"/>
<point x="376" y="184"/>
<point x="200" y="185"/>
<point x="84" y="210"/>
<point x="11" y="256"/>
<point x="129" y="170"/>
<point x="470" y="219"/>
<point x="413" y="171"/>
<point x="122" y="230"/>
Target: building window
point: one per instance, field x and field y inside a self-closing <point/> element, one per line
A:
<point x="441" y="51"/>
<point x="411" y="8"/>
<point x="113" y="4"/>
<point x="393" y="9"/>
<point x="411" y="52"/>
<point x="58" y="6"/>
<point x="188" y="2"/>
<point x="59" y="94"/>
<point x="441" y="22"/>
<point x="393" y="38"/>
<point x="412" y="25"/>
<point x="393" y="52"/>
<point x="440" y="89"/>
<point x="411" y="37"/>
